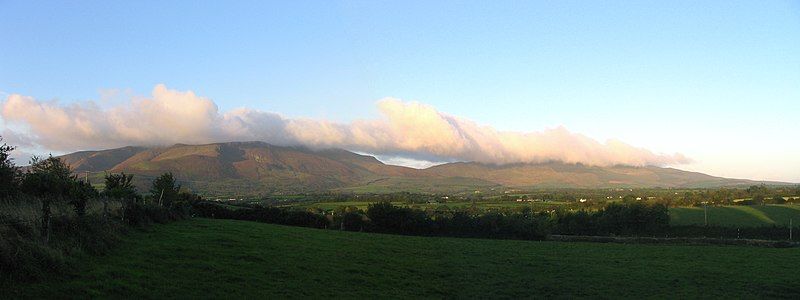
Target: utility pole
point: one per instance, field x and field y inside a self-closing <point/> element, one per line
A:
<point x="790" y="229"/>
<point x="705" y="213"/>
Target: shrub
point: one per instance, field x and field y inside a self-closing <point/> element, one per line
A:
<point x="631" y="218"/>
<point x="24" y="258"/>
<point x="353" y="221"/>
<point x="31" y="206"/>
<point x="165" y="190"/>
<point x="9" y="173"/>
<point x="385" y="217"/>
<point x="272" y="215"/>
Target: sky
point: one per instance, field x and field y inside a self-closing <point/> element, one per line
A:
<point x="708" y="86"/>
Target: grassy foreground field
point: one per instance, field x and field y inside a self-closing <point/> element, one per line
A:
<point x="203" y="258"/>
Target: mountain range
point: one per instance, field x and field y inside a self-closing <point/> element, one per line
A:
<point x="253" y="168"/>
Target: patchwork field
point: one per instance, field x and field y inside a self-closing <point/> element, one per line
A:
<point x="203" y="258"/>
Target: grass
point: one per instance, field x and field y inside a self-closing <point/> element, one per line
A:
<point x="203" y="258"/>
<point x="738" y="216"/>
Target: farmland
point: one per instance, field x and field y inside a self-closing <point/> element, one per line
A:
<point x="456" y="204"/>
<point x="203" y="258"/>
<point x="729" y="216"/>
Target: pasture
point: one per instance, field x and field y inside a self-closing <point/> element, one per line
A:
<point x="728" y="216"/>
<point x="204" y="258"/>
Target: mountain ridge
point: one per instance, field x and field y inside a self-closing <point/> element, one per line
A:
<point x="261" y="168"/>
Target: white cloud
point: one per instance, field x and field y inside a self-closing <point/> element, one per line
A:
<point x="406" y="129"/>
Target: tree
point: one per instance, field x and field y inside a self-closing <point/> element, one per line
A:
<point x="165" y="190"/>
<point x="758" y="193"/>
<point x="777" y="199"/>
<point x="80" y="194"/>
<point x="629" y="198"/>
<point x="758" y="199"/>
<point x="119" y="186"/>
<point x="50" y="180"/>
<point x="47" y="177"/>
<point x="9" y="173"/>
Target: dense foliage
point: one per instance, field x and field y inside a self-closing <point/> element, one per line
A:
<point x="9" y="173"/>
<point x="632" y="218"/>
<point x="165" y="189"/>
<point x="616" y="219"/>
<point x="48" y="216"/>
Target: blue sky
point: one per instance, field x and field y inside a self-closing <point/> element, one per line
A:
<point x="718" y="81"/>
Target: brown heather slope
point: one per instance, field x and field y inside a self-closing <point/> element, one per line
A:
<point x="255" y="167"/>
<point x="100" y="160"/>
<point x="251" y="168"/>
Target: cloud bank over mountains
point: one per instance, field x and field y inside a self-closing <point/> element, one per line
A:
<point x="405" y="129"/>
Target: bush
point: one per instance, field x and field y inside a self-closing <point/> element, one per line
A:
<point x="633" y="218"/>
<point x="353" y="221"/>
<point x="620" y="219"/>
<point x="36" y="241"/>
<point x="139" y="214"/>
<point x="272" y="215"/>
<point x="25" y="257"/>
<point x="385" y="217"/>
<point x="89" y="234"/>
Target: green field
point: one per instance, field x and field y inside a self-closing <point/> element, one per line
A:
<point x="738" y="216"/>
<point x="203" y="258"/>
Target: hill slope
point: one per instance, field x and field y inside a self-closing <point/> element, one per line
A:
<point x="559" y="175"/>
<point x="248" y="168"/>
<point x="204" y="258"/>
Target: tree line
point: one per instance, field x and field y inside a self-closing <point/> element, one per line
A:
<point x="633" y="218"/>
<point x="627" y="218"/>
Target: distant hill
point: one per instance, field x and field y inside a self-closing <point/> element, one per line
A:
<point x="560" y="175"/>
<point x="250" y="168"/>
